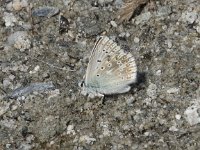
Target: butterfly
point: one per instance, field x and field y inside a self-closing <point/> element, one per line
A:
<point x="110" y="70"/>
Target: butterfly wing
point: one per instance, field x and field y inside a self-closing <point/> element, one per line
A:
<point x="110" y="69"/>
<point x="99" y="51"/>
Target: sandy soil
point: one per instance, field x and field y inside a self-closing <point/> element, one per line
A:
<point x="160" y="112"/>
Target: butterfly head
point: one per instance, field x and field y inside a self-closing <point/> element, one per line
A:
<point x="84" y="90"/>
<point x="88" y="91"/>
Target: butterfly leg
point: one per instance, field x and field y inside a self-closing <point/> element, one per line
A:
<point x="93" y="95"/>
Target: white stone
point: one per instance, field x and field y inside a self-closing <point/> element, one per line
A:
<point x="35" y="70"/>
<point x="66" y="2"/>
<point x="118" y="3"/>
<point x="143" y="18"/>
<point x="14" y="107"/>
<point x="19" y="40"/>
<point x="173" y="90"/>
<point x="169" y="44"/>
<point x="70" y="129"/>
<point x="19" y="4"/>
<point x="87" y="139"/>
<point x="152" y="91"/>
<point x="104" y="1"/>
<point x="54" y="93"/>
<point x="11" y="77"/>
<point x="198" y="27"/>
<point x="147" y="134"/>
<point x="127" y="34"/>
<point x="113" y="23"/>
<point x="192" y="115"/>
<point x="122" y="34"/>
<point x="8" y="145"/>
<point x="163" y="11"/>
<point x="136" y="40"/>
<point x="178" y="117"/>
<point x="6" y="82"/>
<point x="130" y="101"/>
<point x="158" y="72"/>
<point x="9" y="6"/>
<point x="52" y="142"/>
<point x="9" y="19"/>
<point x="9" y="123"/>
<point x="173" y="128"/>
<point x="106" y="131"/>
<point x="189" y="16"/>
<point x="4" y="108"/>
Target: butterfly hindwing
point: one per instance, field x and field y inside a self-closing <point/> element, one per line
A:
<point x="110" y="69"/>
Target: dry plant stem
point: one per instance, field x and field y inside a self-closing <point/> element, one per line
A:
<point x="126" y="12"/>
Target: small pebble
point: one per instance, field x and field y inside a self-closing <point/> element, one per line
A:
<point x="8" y="145"/>
<point x="122" y="34"/>
<point x="14" y="107"/>
<point x="192" y="115"/>
<point x="11" y="77"/>
<point x="6" y="82"/>
<point x="16" y="5"/>
<point x="70" y="129"/>
<point x="158" y="72"/>
<point x="19" y="40"/>
<point x="178" y="117"/>
<point x="169" y="44"/>
<point x="113" y="23"/>
<point x="173" y="128"/>
<point x="198" y="28"/>
<point x="46" y="11"/>
<point x="87" y="139"/>
<point x="52" y="142"/>
<point x="173" y="90"/>
<point x="189" y="17"/>
<point x="9" y="19"/>
<point x="136" y="40"/>
<point x="130" y="101"/>
<point x="127" y="34"/>
<point x="35" y="70"/>
<point x="152" y="91"/>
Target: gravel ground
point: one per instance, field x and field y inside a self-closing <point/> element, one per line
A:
<point x="160" y="112"/>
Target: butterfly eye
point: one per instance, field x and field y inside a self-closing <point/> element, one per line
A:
<point x="98" y="60"/>
<point x="82" y="84"/>
<point x="97" y="75"/>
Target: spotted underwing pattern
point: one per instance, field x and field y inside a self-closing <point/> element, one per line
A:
<point x="110" y="70"/>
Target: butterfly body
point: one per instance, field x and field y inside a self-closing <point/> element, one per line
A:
<point x="110" y="70"/>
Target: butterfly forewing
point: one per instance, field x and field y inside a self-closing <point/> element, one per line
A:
<point x="97" y="55"/>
